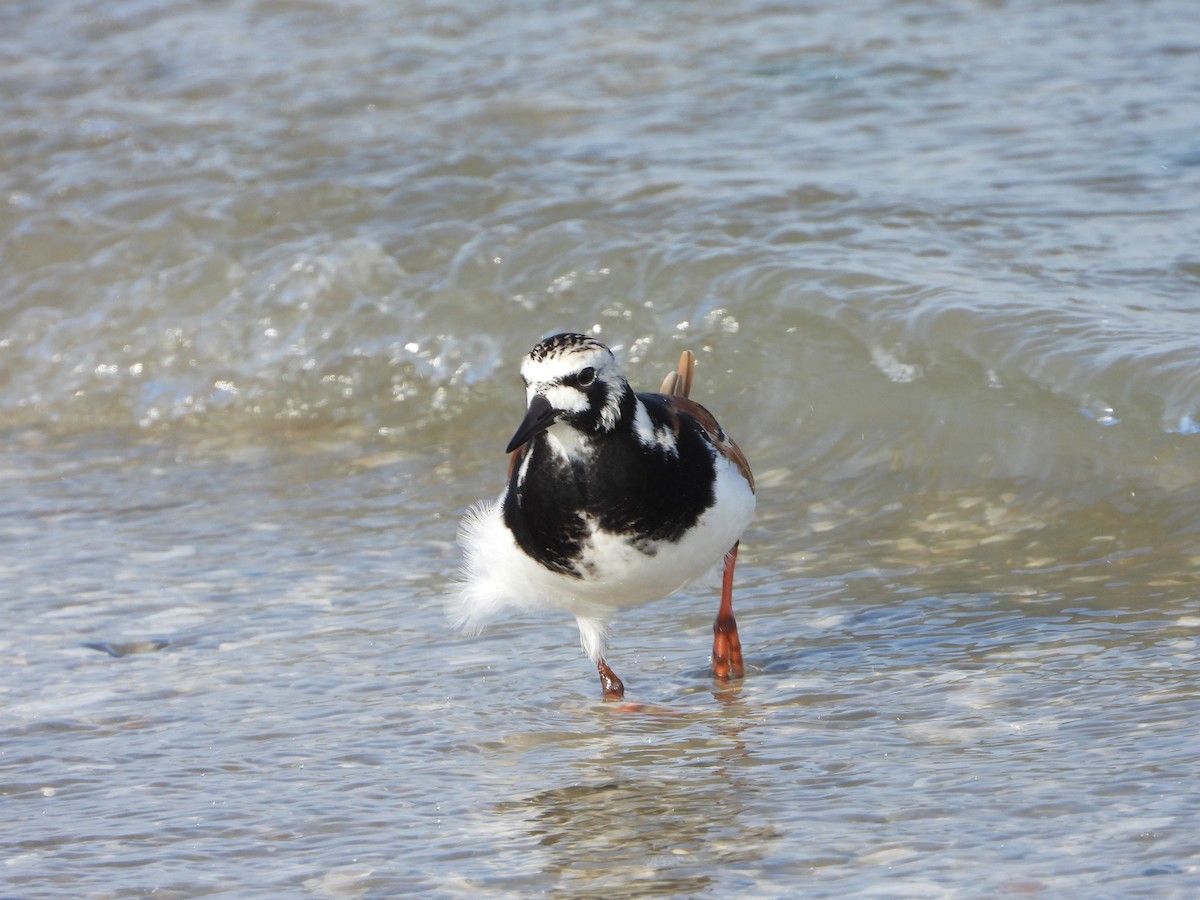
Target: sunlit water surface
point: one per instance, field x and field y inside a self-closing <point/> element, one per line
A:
<point x="267" y="270"/>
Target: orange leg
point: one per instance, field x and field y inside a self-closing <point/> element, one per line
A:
<point x="727" y="648"/>
<point x="610" y="684"/>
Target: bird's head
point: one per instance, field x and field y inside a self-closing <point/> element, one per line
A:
<point x="570" y="378"/>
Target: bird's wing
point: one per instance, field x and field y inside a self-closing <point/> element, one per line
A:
<point x="676" y="408"/>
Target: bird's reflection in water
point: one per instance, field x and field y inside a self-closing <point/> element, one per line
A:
<point x="666" y="813"/>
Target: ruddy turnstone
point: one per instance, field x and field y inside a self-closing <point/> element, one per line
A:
<point x="614" y="498"/>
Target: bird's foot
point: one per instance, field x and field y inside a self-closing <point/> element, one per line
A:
<point x="727" y="649"/>
<point x="610" y="684"/>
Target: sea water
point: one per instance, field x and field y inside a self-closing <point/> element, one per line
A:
<point x="267" y="271"/>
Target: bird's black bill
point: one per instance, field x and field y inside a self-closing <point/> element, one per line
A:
<point x="538" y="418"/>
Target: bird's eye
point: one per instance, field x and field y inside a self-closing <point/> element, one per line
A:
<point x="586" y="376"/>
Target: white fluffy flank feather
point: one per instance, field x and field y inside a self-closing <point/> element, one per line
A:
<point x="496" y="575"/>
<point x="476" y="598"/>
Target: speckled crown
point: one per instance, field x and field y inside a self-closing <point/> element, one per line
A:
<point x="559" y="344"/>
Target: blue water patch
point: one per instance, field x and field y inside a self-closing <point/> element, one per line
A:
<point x="1186" y="425"/>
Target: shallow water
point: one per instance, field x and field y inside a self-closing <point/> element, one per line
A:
<point x="268" y="269"/>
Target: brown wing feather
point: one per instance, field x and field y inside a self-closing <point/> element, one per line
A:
<point x="679" y="382"/>
<point x="725" y="445"/>
<point x="514" y="459"/>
